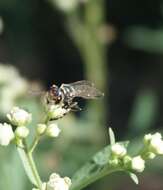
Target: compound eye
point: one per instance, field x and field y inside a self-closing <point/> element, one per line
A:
<point x="54" y="88"/>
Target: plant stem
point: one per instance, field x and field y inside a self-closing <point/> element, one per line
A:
<point x="29" y="166"/>
<point x="91" y="48"/>
<point x="34" y="144"/>
<point x="34" y="170"/>
<point x="92" y="178"/>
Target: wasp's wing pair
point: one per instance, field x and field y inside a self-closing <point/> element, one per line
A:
<point x="84" y="89"/>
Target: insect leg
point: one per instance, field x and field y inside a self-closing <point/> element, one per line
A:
<point x="75" y="107"/>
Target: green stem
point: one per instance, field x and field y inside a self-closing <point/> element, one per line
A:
<point x="46" y="119"/>
<point x="92" y="178"/>
<point x="34" y="170"/>
<point x="34" y="144"/>
<point x="29" y="166"/>
<point x="91" y="48"/>
<point x="37" y="137"/>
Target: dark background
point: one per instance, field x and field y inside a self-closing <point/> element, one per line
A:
<point x="36" y="42"/>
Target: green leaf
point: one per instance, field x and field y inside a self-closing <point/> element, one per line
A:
<point x="9" y="158"/>
<point x="95" y="169"/>
<point x="26" y="165"/>
<point x="134" y="178"/>
<point x="112" y="136"/>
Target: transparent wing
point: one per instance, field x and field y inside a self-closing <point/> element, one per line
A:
<point x="84" y="89"/>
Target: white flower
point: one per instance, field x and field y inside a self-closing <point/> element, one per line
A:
<point x="58" y="183"/>
<point x="52" y="130"/>
<point x="147" y="138"/>
<point x="118" y="150"/>
<point x="22" y="132"/>
<point x="8" y="73"/>
<point x="56" y="112"/>
<point x="19" y="117"/>
<point x="137" y="164"/>
<point x="66" y="5"/>
<point x="154" y="143"/>
<point x="6" y="134"/>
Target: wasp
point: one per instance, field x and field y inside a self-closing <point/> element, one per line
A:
<point x="66" y="93"/>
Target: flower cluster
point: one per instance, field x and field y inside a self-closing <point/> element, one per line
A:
<point x="55" y="111"/>
<point x="51" y="129"/>
<point x="19" y="118"/>
<point x="56" y="183"/>
<point x="153" y="145"/>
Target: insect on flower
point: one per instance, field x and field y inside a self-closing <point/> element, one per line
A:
<point x="63" y="96"/>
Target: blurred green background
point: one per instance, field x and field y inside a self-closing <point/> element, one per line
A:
<point x="118" y="45"/>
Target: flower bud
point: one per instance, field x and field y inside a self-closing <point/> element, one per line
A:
<point x="114" y="162"/>
<point x="150" y="155"/>
<point x="118" y="150"/>
<point x="41" y="128"/>
<point x="58" y="183"/>
<point x="127" y="160"/>
<point x="19" y="117"/>
<point x="67" y="181"/>
<point x="147" y="138"/>
<point x="6" y="134"/>
<point x="154" y="143"/>
<point x="43" y="186"/>
<point x="52" y="130"/>
<point x="137" y="164"/>
<point x="22" y="132"/>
